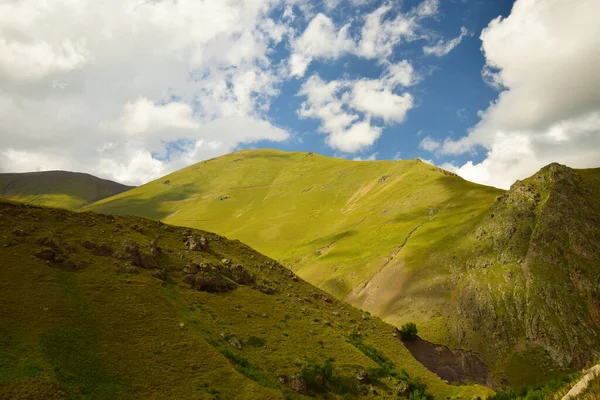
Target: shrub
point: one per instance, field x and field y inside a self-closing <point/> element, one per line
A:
<point x="409" y="331"/>
<point x="254" y="341"/>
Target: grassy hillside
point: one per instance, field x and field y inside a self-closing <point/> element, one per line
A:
<point x="409" y="241"/>
<point x="69" y="190"/>
<point x="103" y="307"/>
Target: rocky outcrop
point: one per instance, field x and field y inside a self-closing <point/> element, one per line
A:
<point x="541" y="243"/>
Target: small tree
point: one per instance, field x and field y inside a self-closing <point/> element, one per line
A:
<point x="409" y="331"/>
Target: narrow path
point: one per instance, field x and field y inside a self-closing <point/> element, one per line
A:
<point x="583" y="383"/>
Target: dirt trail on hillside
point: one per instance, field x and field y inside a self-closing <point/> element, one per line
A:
<point x="452" y="365"/>
<point x="583" y="383"/>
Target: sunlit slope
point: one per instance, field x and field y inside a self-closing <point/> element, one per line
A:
<point x="101" y="307"/>
<point x="69" y="190"/>
<point x="333" y="221"/>
<point x="507" y="274"/>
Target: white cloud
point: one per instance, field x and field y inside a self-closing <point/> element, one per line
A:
<point x="443" y="47"/>
<point x="358" y="136"/>
<point x="319" y="40"/>
<point x="544" y="55"/>
<point x="378" y="36"/>
<point x="144" y="116"/>
<point x="428" y="8"/>
<point x="374" y="98"/>
<point x="429" y="144"/>
<point x="129" y="78"/>
<point x="346" y="108"/>
<point x="331" y="4"/>
<point x="30" y="61"/>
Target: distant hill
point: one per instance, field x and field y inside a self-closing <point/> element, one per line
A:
<point x="69" y="190"/>
<point x="103" y="307"/>
<point x="513" y="275"/>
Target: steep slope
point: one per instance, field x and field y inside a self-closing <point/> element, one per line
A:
<point x="522" y="287"/>
<point x="69" y="190"/>
<point x="335" y="222"/>
<point x="104" y="307"/>
<point x="471" y="265"/>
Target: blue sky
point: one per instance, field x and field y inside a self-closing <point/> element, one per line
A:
<point x="131" y="90"/>
<point x="448" y="97"/>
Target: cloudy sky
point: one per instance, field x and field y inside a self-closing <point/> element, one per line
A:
<point x="133" y="89"/>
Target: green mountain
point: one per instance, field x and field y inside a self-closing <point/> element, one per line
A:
<point x="69" y="190"/>
<point x="108" y="307"/>
<point x="513" y="276"/>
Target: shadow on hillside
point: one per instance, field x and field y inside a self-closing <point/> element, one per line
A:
<point x="452" y="365"/>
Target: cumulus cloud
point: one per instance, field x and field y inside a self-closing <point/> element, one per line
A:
<point x="543" y="58"/>
<point x="429" y="144"/>
<point x="144" y="116"/>
<point x="443" y="47"/>
<point x="322" y="40"/>
<point x="380" y="33"/>
<point x="30" y="61"/>
<point x="346" y="108"/>
<point x="131" y="90"/>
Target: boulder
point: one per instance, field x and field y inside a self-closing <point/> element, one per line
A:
<point x="189" y="279"/>
<point x="191" y="269"/>
<point x="98" y="250"/>
<point x="18" y="232"/>
<point x="160" y="274"/>
<point x="362" y="377"/>
<point x="297" y="384"/>
<point x="235" y="342"/>
<point x="154" y="249"/>
<point x="148" y="262"/>
<point x="320" y="378"/>
<point x="213" y="282"/>
<point x="47" y="242"/>
<point x="240" y="275"/>
<point x="46" y="254"/>
<point x="265" y="286"/>
<point x="195" y="243"/>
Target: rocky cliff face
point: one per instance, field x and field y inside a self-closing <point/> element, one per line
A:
<point x="533" y="281"/>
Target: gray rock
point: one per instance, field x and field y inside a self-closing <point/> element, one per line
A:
<point x="235" y="342"/>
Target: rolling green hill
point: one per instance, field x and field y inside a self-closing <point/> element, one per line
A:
<point x="103" y="307"/>
<point x="69" y="190"/>
<point x="514" y="276"/>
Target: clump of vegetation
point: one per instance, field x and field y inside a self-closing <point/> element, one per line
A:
<point x="409" y="331"/>
<point x="254" y="341"/>
<point x="244" y="366"/>
<point x="415" y="388"/>
<point x="322" y="378"/>
<point x="537" y="392"/>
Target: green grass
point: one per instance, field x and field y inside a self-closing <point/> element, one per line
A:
<point x="62" y="189"/>
<point x="410" y="247"/>
<point x="99" y="333"/>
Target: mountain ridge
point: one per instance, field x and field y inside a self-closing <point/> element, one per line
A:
<point x="408" y="241"/>
<point x="65" y="189"/>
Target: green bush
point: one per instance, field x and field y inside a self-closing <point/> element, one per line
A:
<point x="254" y="341"/>
<point x="330" y="381"/>
<point x="409" y="331"/>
